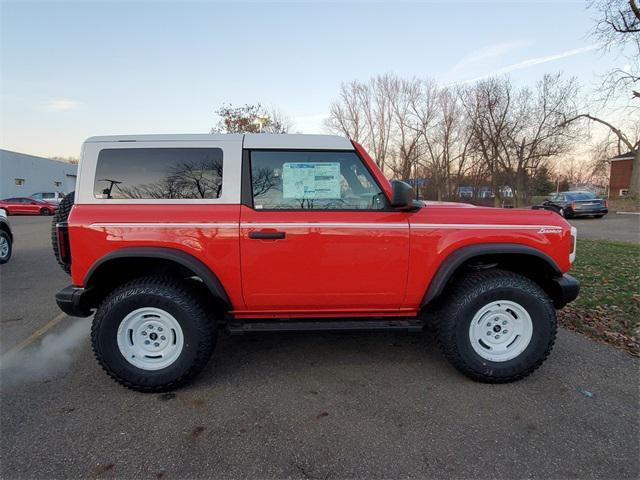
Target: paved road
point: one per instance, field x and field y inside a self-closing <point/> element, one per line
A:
<point x="309" y="406"/>
<point x="614" y="227"/>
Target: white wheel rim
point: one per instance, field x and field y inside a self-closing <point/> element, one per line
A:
<point x="500" y="331"/>
<point x="150" y="338"/>
<point x="4" y="247"/>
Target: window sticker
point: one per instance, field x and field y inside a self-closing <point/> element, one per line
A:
<point x="312" y="180"/>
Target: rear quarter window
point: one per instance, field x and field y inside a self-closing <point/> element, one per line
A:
<point x="158" y="173"/>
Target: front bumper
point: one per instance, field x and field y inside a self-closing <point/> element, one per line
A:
<point x="565" y="290"/>
<point x="73" y="301"/>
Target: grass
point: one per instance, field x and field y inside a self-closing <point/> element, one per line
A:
<point x="608" y="308"/>
<point x="624" y="205"/>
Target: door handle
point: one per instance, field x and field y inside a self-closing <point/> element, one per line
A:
<point x="267" y="235"/>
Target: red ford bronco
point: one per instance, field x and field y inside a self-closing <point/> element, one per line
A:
<point x="168" y="237"/>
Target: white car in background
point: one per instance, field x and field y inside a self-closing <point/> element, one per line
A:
<point x="51" y="197"/>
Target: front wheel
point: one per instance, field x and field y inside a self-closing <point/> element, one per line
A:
<point x="152" y="334"/>
<point x="496" y="326"/>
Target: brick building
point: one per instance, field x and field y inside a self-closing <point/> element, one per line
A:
<point x="620" y="177"/>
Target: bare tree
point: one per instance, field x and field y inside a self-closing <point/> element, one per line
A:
<point x="345" y="114"/>
<point x="363" y="113"/>
<point x="618" y="28"/>
<point x="406" y="132"/>
<point x="488" y="103"/>
<point x="517" y="130"/>
<point x="540" y="132"/>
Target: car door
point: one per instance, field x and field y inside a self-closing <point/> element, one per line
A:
<point x="317" y="234"/>
<point x="21" y="205"/>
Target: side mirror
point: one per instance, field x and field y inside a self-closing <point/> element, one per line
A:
<point x="401" y="194"/>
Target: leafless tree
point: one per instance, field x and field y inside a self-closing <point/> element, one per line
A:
<point x="488" y="104"/>
<point x="517" y="130"/>
<point x="363" y="112"/>
<point x="618" y="28"/>
<point x="345" y="114"/>
<point x="405" y="131"/>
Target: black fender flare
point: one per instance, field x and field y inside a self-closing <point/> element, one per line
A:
<point x="180" y="257"/>
<point x="458" y="257"/>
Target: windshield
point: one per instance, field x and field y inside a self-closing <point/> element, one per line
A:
<point x="581" y="196"/>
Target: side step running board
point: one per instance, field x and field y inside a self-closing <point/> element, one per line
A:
<point x="241" y="327"/>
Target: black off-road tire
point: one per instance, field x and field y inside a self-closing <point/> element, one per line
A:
<point x="173" y="296"/>
<point x="467" y="296"/>
<point x="61" y="215"/>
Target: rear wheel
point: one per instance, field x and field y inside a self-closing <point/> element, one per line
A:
<point x="5" y="247"/>
<point x="496" y="326"/>
<point x="45" y="211"/>
<point x="152" y="334"/>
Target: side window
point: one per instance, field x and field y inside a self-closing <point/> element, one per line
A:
<point x="294" y="180"/>
<point x="158" y="173"/>
<point x="37" y="195"/>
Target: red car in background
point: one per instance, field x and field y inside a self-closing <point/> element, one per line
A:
<point x="27" y="206"/>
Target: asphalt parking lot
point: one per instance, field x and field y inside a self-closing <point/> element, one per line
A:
<point x="614" y="227"/>
<point x="310" y="406"/>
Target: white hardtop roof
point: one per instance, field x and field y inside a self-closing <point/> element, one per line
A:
<point x="249" y="140"/>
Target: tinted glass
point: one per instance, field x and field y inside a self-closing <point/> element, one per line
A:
<point x="581" y="196"/>
<point x="313" y="180"/>
<point x="159" y="173"/>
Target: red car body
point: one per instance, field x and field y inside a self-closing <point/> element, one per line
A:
<point x="335" y="264"/>
<point x="27" y="206"/>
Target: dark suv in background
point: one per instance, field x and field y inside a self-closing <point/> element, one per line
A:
<point x="577" y="204"/>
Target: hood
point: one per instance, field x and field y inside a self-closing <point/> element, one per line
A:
<point x="462" y="213"/>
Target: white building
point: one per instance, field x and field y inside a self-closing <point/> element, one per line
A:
<point x="22" y="175"/>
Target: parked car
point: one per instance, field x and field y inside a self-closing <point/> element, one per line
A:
<point x="50" y="197"/>
<point x="577" y="204"/>
<point x="27" y="206"/>
<point x="6" y="238"/>
<point x="169" y="237"/>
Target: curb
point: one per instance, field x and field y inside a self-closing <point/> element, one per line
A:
<point x="627" y="213"/>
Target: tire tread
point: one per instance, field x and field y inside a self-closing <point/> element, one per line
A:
<point x="175" y="291"/>
<point x="61" y="215"/>
<point x="462" y="292"/>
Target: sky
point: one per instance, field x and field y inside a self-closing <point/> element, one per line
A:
<point x="77" y="69"/>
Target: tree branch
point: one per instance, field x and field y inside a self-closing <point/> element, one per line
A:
<point x="621" y="136"/>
